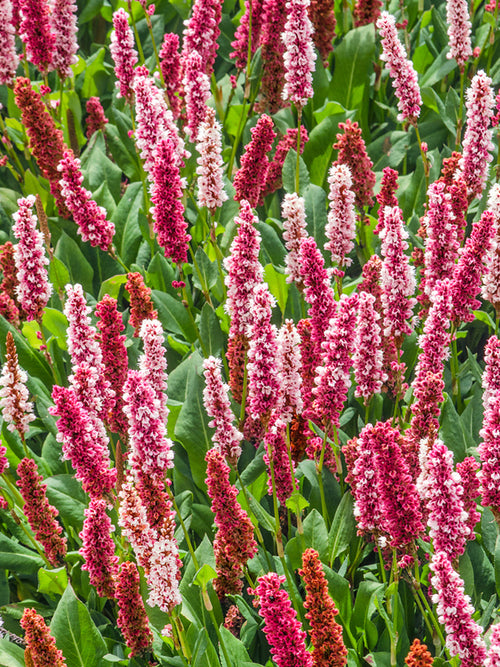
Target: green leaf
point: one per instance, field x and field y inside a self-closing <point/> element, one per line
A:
<point x="316" y="533"/>
<point x="56" y="323"/>
<point x="264" y="519"/>
<point x="98" y="168"/>
<point x="75" y="632"/>
<point x="210" y="331"/>
<point x="497" y="565"/>
<point x="80" y="271"/>
<point x="451" y="430"/>
<point x="11" y="655"/>
<point x="315" y="207"/>
<point x="277" y="286"/>
<point x="236" y="649"/>
<point x="343" y="528"/>
<point x="173" y="315"/>
<point x="205" y="574"/>
<point x="94" y="66"/>
<point x="32" y="362"/>
<point x="65" y="493"/>
<point x="205" y="273"/>
<point x="58" y="274"/>
<point x="296" y="503"/>
<point x="17" y="558"/>
<point x="112" y="285"/>
<point x="289" y="171"/>
<point x="52" y="582"/>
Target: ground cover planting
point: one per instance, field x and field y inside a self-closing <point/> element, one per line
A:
<point x="249" y="307"/>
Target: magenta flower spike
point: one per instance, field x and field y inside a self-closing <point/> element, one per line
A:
<point x="401" y="70"/>
<point x="493" y="659"/>
<point x="33" y="289"/>
<point x="150" y="450"/>
<point x="491" y="374"/>
<point x="468" y="471"/>
<point x="274" y="15"/>
<point x="84" y="443"/>
<point x="17" y="410"/>
<point x="289" y="369"/>
<point x="397" y="275"/>
<point x="489" y="452"/>
<point x="202" y="31"/>
<point x="477" y="144"/>
<point x="281" y="626"/>
<point x="133" y="521"/>
<point x="491" y="278"/>
<point x="153" y="362"/>
<point x="166" y="196"/>
<point x="263" y="382"/>
<point x="241" y="36"/>
<point x="132" y="619"/>
<point x="341" y="225"/>
<point x="463" y="634"/>
<point x="459" y="28"/>
<point x="170" y="63"/>
<point x="9" y="60"/>
<point x="63" y="23"/>
<point x="123" y="53"/>
<point x="299" y="56"/>
<point x="442" y="494"/>
<point x="250" y="178"/>
<point x="197" y="91"/>
<point x="466" y="283"/>
<point x="333" y="378"/>
<point x="362" y="476"/>
<point x="226" y="438"/>
<point x="211" y="191"/>
<point x="35" y="31"/>
<point x="368" y="356"/>
<point x="98" y="548"/>
<point x="89" y="217"/>
<point x="163" y="577"/>
<point x="294" y="230"/>
<point x="277" y="452"/>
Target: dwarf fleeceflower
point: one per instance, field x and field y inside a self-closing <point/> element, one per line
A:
<point x="401" y="70"/>
<point x="226" y="438"/>
<point x="289" y="368"/>
<point x="9" y="59"/>
<point x="170" y="63"/>
<point x="491" y="278"/>
<point x="322" y="15"/>
<point x="88" y="215"/>
<point x="441" y="491"/>
<point x="96" y="120"/>
<point x="123" y="53"/>
<point x="299" y="56"/>
<point x="387" y="195"/>
<point x="274" y="178"/>
<point x="98" y="548"/>
<point x="35" y="32"/>
<point x="491" y="374"/>
<point x="459" y="28"/>
<point x="294" y="230"/>
<point x="468" y="471"/>
<point x="463" y="634"/>
<point x="201" y="32"/>
<point x="272" y="50"/>
<point x="489" y="451"/>
<point x="234" y="543"/>
<point x="197" y="91"/>
<point x="141" y="306"/>
<point x="40" y="645"/>
<point x="132" y="619"/>
<point x="366" y="11"/>
<point x="352" y="152"/>
<point x="477" y="144"/>
<point x="40" y="513"/>
<point x="277" y="455"/>
<point x="33" y="289"/>
<point x="326" y="634"/>
<point x="493" y="659"/>
<point x="166" y="195"/>
<point x="253" y="9"/>
<point x="17" y="411"/>
<point x="368" y="356"/>
<point x="63" y="24"/>
<point x="341" y="225"/>
<point x="281" y="627"/>
<point x="210" y="185"/>
<point x="250" y="178"/>
<point x="153" y="364"/>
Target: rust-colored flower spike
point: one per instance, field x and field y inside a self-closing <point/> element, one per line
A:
<point x="326" y="634"/>
<point x="17" y="411"/>
<point x="40" y="513"/>
<point x="141" y="306"/>
<point x="418" y="655"/>
<point x="132" y="618"/>
<point x="322" y="16"/>
<point x="41" y="650"/>
<point x="352" y="152"/>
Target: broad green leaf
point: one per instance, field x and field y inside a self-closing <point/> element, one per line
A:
<point x="80" y="271"/>
<point x="75" y="632"/>
<point x="296" y="503"/>
<point x="17" y="558"/>
<point x="315" y="207"/>
<point x="98" y="168"/>
<point x="264" y="519"/>
<point x="173" y="315"/>
<point x="11" y="655"/>
<point x="290" y="170"/>
<point x="56" y="323"/>
<point x="52" y="582"/>
<point x="58" y="274"/>
<point x="94" y="67"/>
<point x="235" y="648"/>
<point x="65" y="493"/>
<point x="205" y="272"/>
<point x="205" y="574"/>
<point x="316" y="533"/>
<point x="343" y="528"/>
<point x="277" y="286"/>
<point x="451" y="429"/>
<point x="111" y="286"/>
<point x="32" y="362"/>
<point x="210" y="331"/>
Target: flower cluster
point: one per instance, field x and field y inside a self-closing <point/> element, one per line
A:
<point x="123" y="53"/>
<point x="40" y="645"/>
<point x="250" y="178"/>
<point x="299" y="56"/>
<point x="17" y="410"/>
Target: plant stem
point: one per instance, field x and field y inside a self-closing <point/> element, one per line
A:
<point x="184" y="529"/>
<point x="297" y="166"/>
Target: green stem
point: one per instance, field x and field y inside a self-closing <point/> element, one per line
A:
<point x="136" y="33"/>
<point x="395" y="599"/>
<point x="150" y="28"/>
<point x="431" y="614"/>
<point x="278" y="536"/>
<point x="454" y="367"/>
<point x="460" y="109"/>
<point x="320" y="480"/>
<point x="184" y="529"/>
<point x="425" y="160"/>
<point x="300" y="528"/>
<point x="244" y="393"/>
<point x="210" y="609"/>
<point x="242" y="487"/>
<point x="297" y="166"/>
<point x="178" y="632"/>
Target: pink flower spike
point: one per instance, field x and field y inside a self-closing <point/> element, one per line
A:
<point x="281" y="627"/>
<point x="477" y="144"/>
<point x="209" y="146"/>
<point x="254" y="9"/>
<point x="468" y="471"/>
<point x="289" y="368"/>
<point x="132" y="619"/>
<point x="491" y="374"/>
<point x="341" y="226"/>
<point x="166" y="195"/>
<point x="489" y="451"/>
<point x="294" y="230"/>
<point x="368" y="356"/>
<point x="250" y="178"/>
<point x="397" y="276"/>
<point x="35" y="32"/>
<point x="170" y="63"/>
<point x="98" y="549"/>
<point x="491" y="278"/>
<point x="9" y="59"/>
<point x="442" y="493"/>
<point x="34" y="289"/>
<point x="463" y="634"/>
<point x="466" y="283"/>
<point x="123" y="53"/>
<point x="89" y="217"/>
<point x="274" y="15"/>
<point x="150" y="450"/>
<point x="401" y="70"/>
<point x="63" y="23"/>
<point x="96" y="120"/>
<point x="153" y="362"/>
<point x="17" y="410"/>
<point x="277" y="452"/>
<point x="493" y="659"/>
<point x="201" y="32"/>
<point x="459" y="28"/>
<point x="84" y="444"/>
<point x="197" y="91"/>
<point x="299" y="56"/>
<point x="226" y="438"/>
